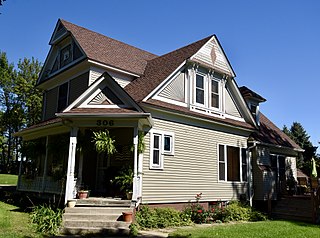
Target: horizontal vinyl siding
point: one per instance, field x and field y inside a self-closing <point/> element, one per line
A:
<point x="121" y="79"/>
<point x="193" y="168"/>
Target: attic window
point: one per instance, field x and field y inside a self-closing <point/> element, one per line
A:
<point x="253" y="109"/>
<point x="207" y="91"/>
<point x="65" y="56"/>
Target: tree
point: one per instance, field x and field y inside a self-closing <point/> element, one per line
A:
<point x="299" y="135"/>
<point x="20" y="104"/>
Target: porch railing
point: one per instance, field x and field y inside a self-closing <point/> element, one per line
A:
<point x="37" y="184"/>
<point x="315" y="199"/>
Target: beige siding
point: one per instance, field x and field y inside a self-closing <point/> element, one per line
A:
<point x="77" y="86"/>
<point x="175" y="90"/>
<point x="192" y="169"/>
<point x="211" y="54"/>
<point x="230" y="105"/>
<point x="121" y="79"/>
<point x="51" y="98"/>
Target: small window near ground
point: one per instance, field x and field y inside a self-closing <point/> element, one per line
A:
<point x="162" y="143"/>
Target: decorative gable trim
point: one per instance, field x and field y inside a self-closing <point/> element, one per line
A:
<point x="212" y="55"/>
<point x="59" y="32"/>
<point x="105" y="92"/>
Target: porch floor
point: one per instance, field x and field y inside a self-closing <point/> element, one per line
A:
<point x="103" y="202"/>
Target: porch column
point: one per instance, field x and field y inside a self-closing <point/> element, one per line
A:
<point x="45" y="164"/>
<point x="135" y="164"/>
<point x="71" y="164"/>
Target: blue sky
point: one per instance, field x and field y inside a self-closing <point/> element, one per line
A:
<point x="273" y="46"/>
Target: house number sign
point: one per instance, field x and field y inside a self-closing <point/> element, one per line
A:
<point x="105" y="123"/>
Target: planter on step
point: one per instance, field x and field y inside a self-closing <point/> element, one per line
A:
<point x="72" y="203"/>
<point x="82" y="194"/>
<point x="127" y="216"/>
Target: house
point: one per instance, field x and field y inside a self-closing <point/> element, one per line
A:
<point x="202" y="133"/>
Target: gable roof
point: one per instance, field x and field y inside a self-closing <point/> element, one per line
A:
<point x="158" y="69"/>
<point x="269" y="133"/>
<point x="248" y="93"/>
<point x="109" y="51"/>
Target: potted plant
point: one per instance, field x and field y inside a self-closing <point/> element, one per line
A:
<point x="125" y="181"/>
<point x="82" y="194"/>
<point x="104" y="142"/>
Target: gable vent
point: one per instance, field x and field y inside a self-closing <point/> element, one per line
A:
<point x="106" y="97"/>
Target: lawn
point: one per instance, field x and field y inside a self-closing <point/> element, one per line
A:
<point x="14" y="223"/>
<point x="264" y="229"/>
<point x="9" y="179"/>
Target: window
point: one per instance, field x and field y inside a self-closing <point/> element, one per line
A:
<point x="65" y="56"/>
<point x="214" y="93"/>
<point x="63" y="96"/>
<point x="230" y="168"/>
<point x="200" y="89"/>
<point x="207" y="91"/>
<point x="161" y="144"/>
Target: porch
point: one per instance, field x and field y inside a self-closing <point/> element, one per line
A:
<point x="62" y="159"/>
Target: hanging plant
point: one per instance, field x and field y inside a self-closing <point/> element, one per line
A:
<point x="104" y="142"/>
<point x="141" y="145"/>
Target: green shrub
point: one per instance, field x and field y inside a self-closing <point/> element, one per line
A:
<point x="47" y="220"/>
<point x="134" y="231"/>
<point x="236" y="211"/>
<point x="160" y="218"/>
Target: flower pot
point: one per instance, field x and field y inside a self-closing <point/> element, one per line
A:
<point x="82" y="194"/>
<point x="127" y="216"/>
<point x="129" y="195"/>
<point x="72" y="203"/>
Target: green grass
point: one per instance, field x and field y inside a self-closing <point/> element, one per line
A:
<point x="264" y="229"/>
<point x="9" y="179"/>
<point x="14" y="223"/>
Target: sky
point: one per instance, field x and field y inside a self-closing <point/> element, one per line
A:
<point x="273" y="46"/>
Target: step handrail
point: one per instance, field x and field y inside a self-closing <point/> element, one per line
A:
<point x="315" y="199"/>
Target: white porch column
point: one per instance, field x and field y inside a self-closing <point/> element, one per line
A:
<point x="45" y="169"/>
<point x="71" y="164"/>
<point x="135" y="164"/>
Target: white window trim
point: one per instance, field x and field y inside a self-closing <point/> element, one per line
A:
<point x="162" y="134"/>
<point x="206" y="108"/>
<point x="226" y="163"/>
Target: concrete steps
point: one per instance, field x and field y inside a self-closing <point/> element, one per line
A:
<point x="294" y="208"/>
<point x="96" y="216"/>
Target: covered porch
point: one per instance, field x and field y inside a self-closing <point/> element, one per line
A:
<point x="62" y="158"/>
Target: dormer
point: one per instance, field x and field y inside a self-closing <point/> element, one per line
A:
<point x="253" y="101"/>
<point x="63" y="53"/>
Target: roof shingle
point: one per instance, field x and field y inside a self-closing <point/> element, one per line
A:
<point x="108" y="51"/>
<point x="160" y="68"/>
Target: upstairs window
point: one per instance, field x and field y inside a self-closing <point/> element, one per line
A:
<point x="63" y="96"/>
<point x="65" y="56"/>
<point x="207" y="91"/>
<point x="161" y="143"/>
<point x="200" y="89"/>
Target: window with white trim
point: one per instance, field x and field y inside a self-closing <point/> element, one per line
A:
<point x="207" y="91"/>
<point x="233" y="165"/>
<point x="161" y="143"/>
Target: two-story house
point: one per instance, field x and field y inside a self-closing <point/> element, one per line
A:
<point x="202" y="134"/>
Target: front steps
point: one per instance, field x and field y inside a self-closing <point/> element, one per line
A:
<point x="97" y="215"/>
<point x="298" y="208"/>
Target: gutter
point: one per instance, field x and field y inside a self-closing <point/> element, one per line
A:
<point x="279" y="146"/>
<point x="196" y="118"/>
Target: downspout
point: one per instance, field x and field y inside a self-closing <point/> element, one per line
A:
<point x="250" y="177"/>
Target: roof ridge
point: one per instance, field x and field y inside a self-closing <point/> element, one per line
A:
<point x="95" y="32"/>
<point x="186" y="46"/>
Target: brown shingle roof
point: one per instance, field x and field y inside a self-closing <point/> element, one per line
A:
<point x="248" y="93"/>
<point x="186" y="111"/>
<point x="269" y="133"/>
<point x="109" y="51"/>
<point x="160" y="68"/>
